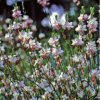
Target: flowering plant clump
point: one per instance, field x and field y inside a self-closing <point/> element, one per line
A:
<point x="56" y="68"/>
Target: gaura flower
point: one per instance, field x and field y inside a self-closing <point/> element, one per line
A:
<point x="98" y="41"/>
<point x="77" y="42"/>
<point x="91" y="46"/>
<point x="92" y="25"/>
<point x="81" y="28"/>
<point x="57" y="51"/>
<point x="68" y="25"/>
<point x="83" y="17"/>
<point x="54" y="41"/>
<point x="41" y="35"/>
<point x="44" y="52"/>
<point x="34" y="45"/>
<point x="16" y="12"/>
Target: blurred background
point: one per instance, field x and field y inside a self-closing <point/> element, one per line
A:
<point x="33" y="9"/>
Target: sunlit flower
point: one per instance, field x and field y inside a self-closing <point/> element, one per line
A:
<point x="68" y="25"/>
<point x="57" y="52"/>
<point x="45" y="53"/>
<point x="92" y="24"/>
<point x="80" y="94"/>
<point x="81" y="28"/>
<point x="57" y="16"/>
<point x="16" y="12"/>
<point x="53" y="41"/>
<point x="91" y="46"/>
<point x="70" y="69"/>
<point x="16" y="26"/>
<point x="33" y="28"/>
<point x="25" y="17"/>
<point x="13" y="59"/>
<point x="24" y="36"/>
<point x="57" y="21"/>
<point x="77" y="58"/>
<point x="8" y="20"/>
<point x="98" y="41"/>
<point x="34" y="45"/>
<point x="96" y="73"/>
<point x="41" y="35"/>
<point x="77" y="42"/>
<point x="8" y="37"/>
<point x="83" y="17"/>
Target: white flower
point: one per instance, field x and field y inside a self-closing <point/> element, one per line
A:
<point x="27" y="88"/>
<point x="85" y="83"/>
<point x="53" y="19"/>
<point x="92" y="24"/>
<point x="53" y="41"/>
<point x="62" y="19"/>
<point x="81" y="28"/>
<point x="91" y="46"/>
<point x="24" y="25"/>
<point x="34" y="45"/>
<point x="25" y="35"/>
<point x="8" y="20"/>
<point x="29" y="22"/>
<point x="75" y="1"/>
<point x="13" y="59"/>
<point x="41" y="35"/>
<point x="70" y="69"/>
<point x="83" y="17"/>
<point x="77" y="58"/>
<point x="68" y="25"/>
<point x="33" y="28"/>
<point x="57" y="52"/>
<point x="2" y="48"/>
<point x="16" y="12"/>
<point x="16" y="26"/>
<point x="98" y="41"/>
<point x="78" y="42"/>
<point x="8" y="37"/>
<point x="96" y="72"/>
<point x="80" y="94"/>
<point x="57" y="20"/>
<point x="44" y="52"/>
<point x="25" y="17"/>
<point x="57" y="16"/>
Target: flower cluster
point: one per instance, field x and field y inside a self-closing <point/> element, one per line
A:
<point x="87" y="22"/>
<point x="57" y="18"/>
<point x="52" y="68"/>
